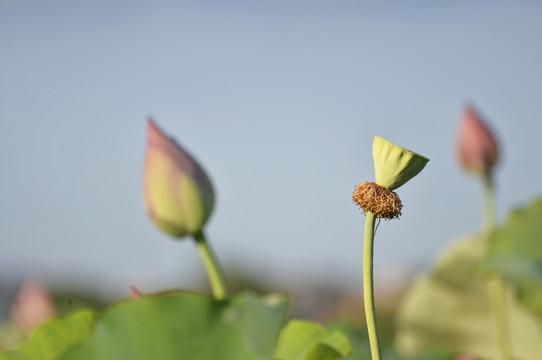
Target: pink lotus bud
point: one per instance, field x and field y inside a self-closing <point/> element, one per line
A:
<point x="32" y="307"/>
<point x="177" y="193"/>
<point x="478" y="148"/>
<point x="134" y="292"/>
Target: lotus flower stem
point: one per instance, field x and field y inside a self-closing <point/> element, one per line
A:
<point x="214" y="272"/>
<point x="394" y="166"/>
<point x="489" y="204"/>
<point x="368" y="287"/>
<point x="495" y="281"/>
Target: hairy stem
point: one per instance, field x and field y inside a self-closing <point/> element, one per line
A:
<point x="368" y="287"/>
<point x="495" y="281"/>
<point x="214" y="272"/>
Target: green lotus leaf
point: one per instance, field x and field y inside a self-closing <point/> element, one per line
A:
<point x="304" y="340"/>
<point x="394" y="165"/>
<point x="449" y="308"/>
<point x="166" y="326"/>
<point x="54" y="337"/>
<point x="516" y="252"/>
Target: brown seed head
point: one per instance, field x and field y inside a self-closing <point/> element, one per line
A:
<point x="380" y="200"/>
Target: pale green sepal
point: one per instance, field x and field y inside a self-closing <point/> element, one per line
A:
<point x="173" y="230"/>
<point x="195" y="209"/>
<point x="394" y="165"/>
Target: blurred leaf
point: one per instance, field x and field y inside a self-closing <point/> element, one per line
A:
<point x="449" y="309"/>
<point x="521" y="235"/>
<point x="525" y="274"/>
<point x="322" y="352"/>
<point x="10" y="336"/>
<point x="259" y="320"/>
<point x="167" y="326"/>
<point x="516" y="252"/>
<point x="52" y="338"/>
<point x="362" y="349"/>
<point x="303" y="340"/>
<point x="434" y="355"/>
<point x="187" y="325"/>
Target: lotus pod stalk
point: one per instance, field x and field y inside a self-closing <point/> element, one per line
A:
<point x="394" y="166"/>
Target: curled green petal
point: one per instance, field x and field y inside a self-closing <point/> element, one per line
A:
<point x="394" y="165"/>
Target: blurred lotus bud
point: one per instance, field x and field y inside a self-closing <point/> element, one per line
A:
<point x="177" y="193"/>
<point x="394" y="166"/>
<point x="32" y="307"/>
<point x="135" y="293"/>
<point x="478" y="148"/>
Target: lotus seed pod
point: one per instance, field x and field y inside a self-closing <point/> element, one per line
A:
<point x="394" y="166"/>
<point x="380" y="200"/>
<point x="177" y="194"/>
<point x="478" y="147"/>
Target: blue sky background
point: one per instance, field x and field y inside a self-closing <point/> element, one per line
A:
<point x="279" y="100"/>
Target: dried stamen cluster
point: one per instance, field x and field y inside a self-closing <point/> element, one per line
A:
<point x="380" y="200"/>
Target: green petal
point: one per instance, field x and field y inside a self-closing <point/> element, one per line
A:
<point x="394" y="165"/>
